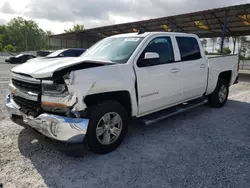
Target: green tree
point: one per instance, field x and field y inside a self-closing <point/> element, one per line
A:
<point x="226" y="50"/>
<point x="204" y="43"/>
<point x="1" y="48"/>
<point x="243" y="45"/>
<point x="9" y="48"/>
<point x="214" y="42"/>
<point x="75" y="28"/>
<point x="48" y="33"/>
<point x="23" y="34"/>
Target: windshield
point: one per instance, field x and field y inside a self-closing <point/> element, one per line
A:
<point x="19" y="55"/>
<point x="114" y="49"/>
<point x="55" y="53"/>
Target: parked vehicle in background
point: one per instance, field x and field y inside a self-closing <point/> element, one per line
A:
<point x="63" y="53"/>
<point x="71" y="52"/>
<point x="21" y="58"/>
<point x="43" y="53"/>
<point x="149" y="76"/>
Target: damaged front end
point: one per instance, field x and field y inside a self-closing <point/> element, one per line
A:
<point x="58" y="98"/>
<point x="51" y="106"/>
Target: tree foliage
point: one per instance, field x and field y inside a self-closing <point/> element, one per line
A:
<point x="243" y="45"/>
<point x="9" y="48"/>
<point x="204" y="43"/>
<point x="214" y="43"/>
<point x="226" y="50"/>
<point x="75" y="28"/>
<point x="23" y="35"/>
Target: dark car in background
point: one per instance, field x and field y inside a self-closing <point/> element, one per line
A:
<point x="71" y="52"/>
<point x="21" y="58"/>
<point x="43" y="53"/>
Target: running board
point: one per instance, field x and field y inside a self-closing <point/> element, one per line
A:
<point x="164" y="114"/>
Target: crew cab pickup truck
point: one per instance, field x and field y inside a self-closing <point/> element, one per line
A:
<point x="147" y="75"/>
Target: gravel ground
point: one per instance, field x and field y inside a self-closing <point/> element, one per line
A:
<point x="201" y="148"/>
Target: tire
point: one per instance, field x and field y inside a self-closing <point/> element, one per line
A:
<point x="99" y="113"/>
<point x="215" y="99"/>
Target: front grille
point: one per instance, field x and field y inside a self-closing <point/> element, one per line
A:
<point x="26" y="104"/>
<point x="27" y="86"/>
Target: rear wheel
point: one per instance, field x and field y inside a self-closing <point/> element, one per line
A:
<point x="107" y="127"/>
<point x="219" y="97"/>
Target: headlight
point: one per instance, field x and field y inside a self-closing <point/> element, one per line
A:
<point x="51" y="88"/>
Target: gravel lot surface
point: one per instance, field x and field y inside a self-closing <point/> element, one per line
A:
<point x="201" y="148"/>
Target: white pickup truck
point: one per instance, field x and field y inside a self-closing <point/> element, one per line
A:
<point x="148" y="76"/>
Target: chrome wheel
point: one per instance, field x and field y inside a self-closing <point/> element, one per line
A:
<point x="223" y="93"/>
<point x="109" y="128"/>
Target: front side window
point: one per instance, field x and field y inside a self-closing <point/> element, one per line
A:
<point x="161" y="46"/>
<point x="189" y="48"/>
<point x="117" y="49"/>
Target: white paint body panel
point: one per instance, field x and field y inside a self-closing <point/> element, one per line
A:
<point x="219" y="64"/>
<point x="164" y="89"/>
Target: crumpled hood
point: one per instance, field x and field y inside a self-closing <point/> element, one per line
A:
<point x="46" y="68"/>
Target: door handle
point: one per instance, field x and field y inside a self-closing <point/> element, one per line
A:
<point x="202" y="66"/>
<point x="175" y="70"/>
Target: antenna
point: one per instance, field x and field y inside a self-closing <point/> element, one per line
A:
<point x="141" y="31"/>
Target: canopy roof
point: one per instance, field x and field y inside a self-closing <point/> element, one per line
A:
<point x="233" y="20"/>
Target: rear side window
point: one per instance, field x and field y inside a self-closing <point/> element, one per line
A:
<point x="189" y="48"/>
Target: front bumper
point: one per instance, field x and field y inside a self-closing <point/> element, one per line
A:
<point x="72" y="130"/>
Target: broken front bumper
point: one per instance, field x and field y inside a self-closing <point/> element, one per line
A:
<point x="60" y="128"/>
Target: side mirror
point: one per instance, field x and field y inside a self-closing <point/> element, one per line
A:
<point x="151" y="55"/>
<point x="150" y="58"/>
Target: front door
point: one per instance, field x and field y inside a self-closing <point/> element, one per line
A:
<point x="159" y="83"/>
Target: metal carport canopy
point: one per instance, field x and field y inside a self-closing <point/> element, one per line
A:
<point x="208" y="23"/>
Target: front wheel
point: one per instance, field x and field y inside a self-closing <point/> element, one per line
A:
<point x="219" y="97"/>
<point x="107" y="127"/>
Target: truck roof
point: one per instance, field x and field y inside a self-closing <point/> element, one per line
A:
<point x="150" y="33"/>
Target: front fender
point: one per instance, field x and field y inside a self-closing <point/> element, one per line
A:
<point x="101" y="80"/>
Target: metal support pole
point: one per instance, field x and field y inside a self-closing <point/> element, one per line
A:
<point x="61" y="42"/>
<point x="97" y="37"/>
<point x="66" y="43"/>
<point x="223" y="33"/>
<point x="234" y="41"/>
<point x="49" y="43"/>
<point x="172" y="27"/>
<point x="76" y="41"/>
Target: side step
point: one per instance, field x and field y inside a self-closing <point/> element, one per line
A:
<point x="163" y="114"/>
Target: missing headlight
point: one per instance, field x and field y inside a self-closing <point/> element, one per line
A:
<point x="52" y="88"/>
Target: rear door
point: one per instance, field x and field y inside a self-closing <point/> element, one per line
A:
<point x="159" y="83"/>
<point x="194" y="67"/>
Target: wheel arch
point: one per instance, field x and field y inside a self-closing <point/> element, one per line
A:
<point x="226" y="75"/>
<point x="215" y="77"/>
<point x="123" y="97"/>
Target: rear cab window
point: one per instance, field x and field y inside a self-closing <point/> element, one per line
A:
<point x="189" y="48"/>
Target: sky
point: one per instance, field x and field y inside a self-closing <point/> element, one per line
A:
<point x="57" y="15"/>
